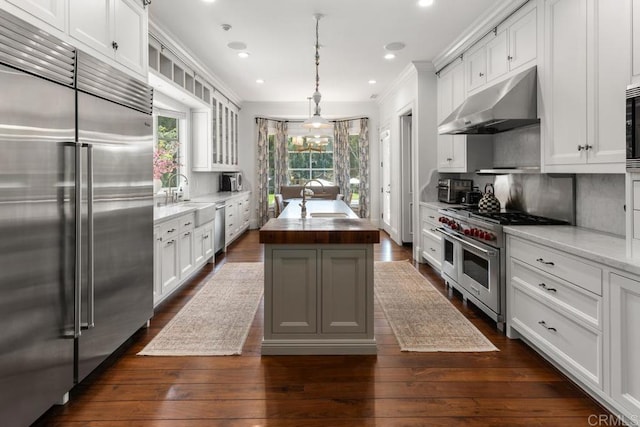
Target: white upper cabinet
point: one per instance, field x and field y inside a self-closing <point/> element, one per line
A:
<point x="510" y="46"/>
<point x="52" y="12"/>
<point x="583" y="85"/>
<point x="636" y="40"/>
<point x="114" y="28"/>
<point x="451" y="93"/>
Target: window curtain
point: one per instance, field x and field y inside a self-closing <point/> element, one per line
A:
<point x="263" y="170"/>
<point x="341" y="157"/>
<point x="281" y="157"/>
<point x="363" y="144"/>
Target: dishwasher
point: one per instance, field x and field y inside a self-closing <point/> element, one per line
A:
<point x="219" y="228"/>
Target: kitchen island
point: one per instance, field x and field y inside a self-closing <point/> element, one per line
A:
<point x="318" y="279"/>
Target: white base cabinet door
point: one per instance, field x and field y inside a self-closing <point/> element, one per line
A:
<point x="625" y="344"/>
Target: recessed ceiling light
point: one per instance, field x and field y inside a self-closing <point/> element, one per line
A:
<point x="237" y="45"/>
<point x="208" y="1"/>
<point x="389" y="56"/>
<point x="260" y="81"/>
<point x="243" y="54"/>
<point x="425" y="3"/>
<point x="395" y="46"/>
<point x="372" y="82"/>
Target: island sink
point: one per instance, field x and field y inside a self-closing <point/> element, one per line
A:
<point x="329" y="215"/>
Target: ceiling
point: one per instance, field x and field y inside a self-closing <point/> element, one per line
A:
<point x="280" y="38"/>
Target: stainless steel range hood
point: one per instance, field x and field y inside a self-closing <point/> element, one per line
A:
<point x="501" y="107"/>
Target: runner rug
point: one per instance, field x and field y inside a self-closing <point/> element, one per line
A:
<point x="216" y="321"/>
<point x="421" y="318"/>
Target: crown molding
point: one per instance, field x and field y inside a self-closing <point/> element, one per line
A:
<point x="478" y="29"/>
<point x="174" y="43"/>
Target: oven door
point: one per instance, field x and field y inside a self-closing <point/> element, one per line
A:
<point x="480" y="272"/>
<point x="450" y="254"/>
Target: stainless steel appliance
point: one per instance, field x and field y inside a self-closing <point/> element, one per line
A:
<point x="473" y="254"/>
<point x="451" y="190"/>
<point x="504" y="106"/>
<point x="76" y="216"/>
<point x="219" y="232"/>
<point x="633" y="128"/>
<point x="231" y="181"/>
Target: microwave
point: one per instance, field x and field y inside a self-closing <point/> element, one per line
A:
<point x="633" y="128"/>
<point x="452" y="190"/>
<point x="231" y="181"/>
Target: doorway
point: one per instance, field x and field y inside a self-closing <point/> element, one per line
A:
<point x="406" y="177"/>
<point x="385" y="166"/>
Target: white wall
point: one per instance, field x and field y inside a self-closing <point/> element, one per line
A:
<point x="415" y="90"/>
<point x="248" y="137"/>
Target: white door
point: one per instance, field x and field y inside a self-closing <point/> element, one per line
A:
<point x="406" y="175"/>
<point x="91" y="22"/>
<point x="130" y="34"/>
<point x="385" y="165"/>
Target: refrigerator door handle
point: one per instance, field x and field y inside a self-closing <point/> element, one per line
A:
<point x="77" y="321"/>
<point x="90" y="250"/>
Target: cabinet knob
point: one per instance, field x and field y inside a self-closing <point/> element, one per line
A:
<point x="449" y="159"/>
<point x="114" y="45"/>
<point x="509" y="58"/>
<point x="481" y="74"/>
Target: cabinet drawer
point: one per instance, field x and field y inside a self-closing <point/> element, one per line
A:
<point x="187" y="222"/>
<point x="562" y="265"/>
<point x="578" y="348"/>
<point x="431" y="248"/>
<point x="431" y="216"/>
<point x="582" y="304"/>
<point x="170" y="229"/>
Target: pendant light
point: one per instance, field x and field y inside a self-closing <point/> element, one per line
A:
<point x="317" y="121"/>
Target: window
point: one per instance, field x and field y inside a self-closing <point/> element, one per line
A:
<point x="306" y="164"/>
<point x="167" y="155"/>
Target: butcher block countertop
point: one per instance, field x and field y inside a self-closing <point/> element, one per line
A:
<point x="289" y="228"/>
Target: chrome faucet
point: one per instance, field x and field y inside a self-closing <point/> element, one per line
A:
<point x="171" y="194"/>
<point x="303" y="205"/>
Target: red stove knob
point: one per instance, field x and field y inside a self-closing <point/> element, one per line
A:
<point x="481" y="234"/>
<point x="476" y="232"/>
<point x="467" y="232"/>
<point x="491" y="236"/>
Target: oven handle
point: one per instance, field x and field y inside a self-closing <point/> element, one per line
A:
<point x="489" y="253"/>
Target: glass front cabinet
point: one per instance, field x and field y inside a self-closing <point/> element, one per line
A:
<point x="224" y="141"/>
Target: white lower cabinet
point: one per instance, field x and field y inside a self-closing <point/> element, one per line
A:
<point x="625" y="343"/>
<point x="431" y="242"/>
<point x="238" y="215"/>
<point x="583" y="316"/>
<point x="180" y="250"/>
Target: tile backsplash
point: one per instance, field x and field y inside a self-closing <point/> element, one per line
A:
<point x="600" y="200"/>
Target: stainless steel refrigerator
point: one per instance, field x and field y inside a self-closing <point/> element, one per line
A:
<point x="76" y="216"/>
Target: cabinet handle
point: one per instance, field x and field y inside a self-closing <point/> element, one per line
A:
<point x="581" y="147"/>
<point x="114" y="45"/>
<point x="187" y="233"/>
<point x="548" y="328"/>
<point x="432" y="217"/>
<point x="544" y="286"/>
<point x="171" y="242"/>
<point x="206" y="236"/>
<point x="585" y="147"/>
<point x="542" y="261"/>
<point x="171" y="230"/>
<point x="187" y="223"/>
<point x="449" y="159"/>
<point x="433" y="230"/>
<point x="159" y="239"/>
<point x="432" y="250"/>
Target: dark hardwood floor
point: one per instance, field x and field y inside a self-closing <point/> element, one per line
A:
<point x="512" y="387"/>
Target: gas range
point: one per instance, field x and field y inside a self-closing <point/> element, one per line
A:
<point x="473" y="255"/>
<point x="487" y="226"/>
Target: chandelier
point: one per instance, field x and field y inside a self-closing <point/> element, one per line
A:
<point x="317" y="121"/>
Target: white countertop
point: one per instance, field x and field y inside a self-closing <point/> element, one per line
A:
<point x="438" y="205"/>
<point x="596" y="246"/>
<point x="165" y="213"/>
